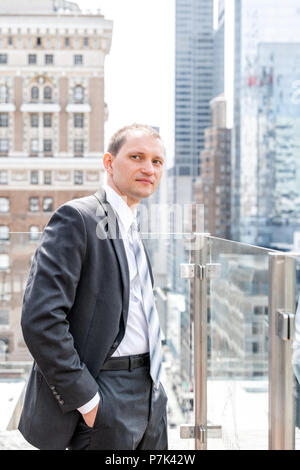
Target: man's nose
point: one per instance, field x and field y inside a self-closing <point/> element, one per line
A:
<point x="148" y="167"/>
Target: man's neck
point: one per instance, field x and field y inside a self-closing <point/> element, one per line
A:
<point x="131" y="203"/>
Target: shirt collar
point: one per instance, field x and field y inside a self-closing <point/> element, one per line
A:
<point x="124" y="213"/>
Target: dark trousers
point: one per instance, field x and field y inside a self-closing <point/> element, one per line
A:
<point x="131" y="414"/>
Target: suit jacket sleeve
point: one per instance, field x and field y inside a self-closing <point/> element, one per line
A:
<point x="48" y="297"/>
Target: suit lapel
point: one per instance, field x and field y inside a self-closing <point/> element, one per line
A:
<point x="113" y="234"/>
<point x="117" y="242"/>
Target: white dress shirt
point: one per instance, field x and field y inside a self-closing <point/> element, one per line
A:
<point x="135" y="340"/>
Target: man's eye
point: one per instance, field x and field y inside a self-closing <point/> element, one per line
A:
<point x="135" y="157"/>
<point x="159" y="162"/>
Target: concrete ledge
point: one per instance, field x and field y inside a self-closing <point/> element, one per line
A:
<point x="13" y="440"/>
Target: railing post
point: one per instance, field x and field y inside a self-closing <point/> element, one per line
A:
<point x="200" y="271"/>
<point x="281" y="376"/>
<point x="200" y="343"/>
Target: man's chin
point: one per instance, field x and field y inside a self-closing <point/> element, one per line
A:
<point x="148" y="193"/>
<point x="141" y="193"/>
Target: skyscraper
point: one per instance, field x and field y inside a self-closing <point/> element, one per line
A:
<point x="193" y="92"/>
<point x="219" y="52"/>
<point x="194" y="82"/>
<point x="256" y="104"/>
<point x="213" y="187"/>
<point x="278" y="169"/>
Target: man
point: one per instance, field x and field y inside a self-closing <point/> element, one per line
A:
<point x="89" y="318"/>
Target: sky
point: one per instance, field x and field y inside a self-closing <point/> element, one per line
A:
<point x="139" y="70"/>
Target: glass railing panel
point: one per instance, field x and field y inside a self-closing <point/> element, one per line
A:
<point x="237" y="386"/>
<point x="173" y="299"/>
<point x="16" y="251"/>
<point x="166" y="252"/>
<point x="297" y="376"/>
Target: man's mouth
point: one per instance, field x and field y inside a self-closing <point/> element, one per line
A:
<point x="144" y="180"/>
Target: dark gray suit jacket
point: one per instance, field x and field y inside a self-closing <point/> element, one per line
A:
<point x="74" y="315"/>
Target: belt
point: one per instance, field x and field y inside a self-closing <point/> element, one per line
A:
<point x="126" y="362"/>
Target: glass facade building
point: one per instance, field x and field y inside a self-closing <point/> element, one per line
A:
<point x="257" y="26"/>
<point x="219" y="56"/>
<point x="278" y="143"/>
<point x="194" y="52"/>
<point x="193" y="82"/>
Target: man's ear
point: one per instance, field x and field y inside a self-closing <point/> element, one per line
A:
<point x="107" y="162"/>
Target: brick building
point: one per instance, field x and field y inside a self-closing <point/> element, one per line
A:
<point x="52" y="115"/>
<point x="213" y="189"/>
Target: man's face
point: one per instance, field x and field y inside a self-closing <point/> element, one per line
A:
<point x="137" y="168"/>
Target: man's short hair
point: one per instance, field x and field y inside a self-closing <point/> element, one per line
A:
<point x="118" y="138"/>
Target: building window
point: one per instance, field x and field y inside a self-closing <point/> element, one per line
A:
<point x="34" y="204"/>
<point x="47" y="145"/>
<point x="47" y="177"/>
<point x="78" y="177"/>
<point x="3" y="177"/>
<point x="67" y="41"/>
<point x="34" y="232"/>
<point x="78" y="94"/>
<point x="48" y="43"/>
<point x="34" y="146"/>
<point x="47" y="120"/>
<point x="3" y="94"/>
<point x="258" y="310"/>
<point x="257" y="328"/>
<point x="3" y="119"/>
<point x="34" y="119"/>
<point x="4" y="262"/>
<point x="4" y="232"/>
<point x="86" y="42"/>
<point x="19" y="41"/>
<point x="34" y="93"/>
<point x="32" y="59"/>
<point x="47" y="93"/>
<point x="4" y="321"/>
<point x="38" y="41"/>
<point x="4" y="146"/>
<point x="78" y="120"/>
<point x="4" y="204"/>
<point x="47" y="204"/>
<point x="49" y="59"/>
<point x="34" y="177"/>
<point x="78" y="59"/>
<point x="184" y="171"/>
<point x="3" y="58"/>
<point x="10" y="41"/>
<point x="78" y="147"/>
